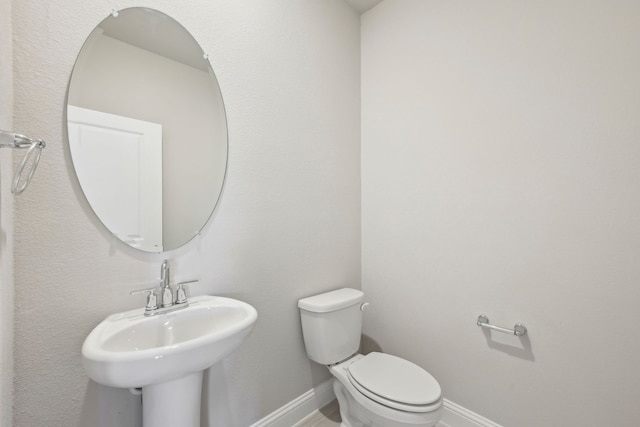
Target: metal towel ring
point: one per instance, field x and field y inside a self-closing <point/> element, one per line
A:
<point x="34" y="150"/>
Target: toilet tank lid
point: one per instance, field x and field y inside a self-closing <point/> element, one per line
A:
<point x="330" y="301"/>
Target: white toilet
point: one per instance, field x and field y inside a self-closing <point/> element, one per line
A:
<point x="373" y="390"/>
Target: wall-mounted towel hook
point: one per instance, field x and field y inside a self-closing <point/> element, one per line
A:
<point x="34" y="150"/>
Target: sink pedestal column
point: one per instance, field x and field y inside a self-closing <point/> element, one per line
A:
<point x="173" y="403"/>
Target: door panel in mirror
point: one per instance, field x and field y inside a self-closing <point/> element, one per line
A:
<point x="129" y="201"/>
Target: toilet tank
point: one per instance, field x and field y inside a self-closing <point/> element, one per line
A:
<point x="332" y="325"/>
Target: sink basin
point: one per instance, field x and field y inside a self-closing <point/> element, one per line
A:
<point x="129" y="350"/>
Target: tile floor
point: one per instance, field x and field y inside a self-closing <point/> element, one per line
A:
<point x="328" y="416"/>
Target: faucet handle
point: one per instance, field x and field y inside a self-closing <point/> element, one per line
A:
<point x="152" y="298"/>
<point x="181" y="293"/>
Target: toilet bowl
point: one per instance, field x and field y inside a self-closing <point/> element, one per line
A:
<point x="373" y="390"/>
<point x="417" y="402"/>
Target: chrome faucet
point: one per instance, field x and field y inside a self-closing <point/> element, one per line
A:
<point x="166" y="294"/>
<point x="167" y="302"/>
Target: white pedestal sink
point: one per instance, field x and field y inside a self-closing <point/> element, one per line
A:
<point x="166" y="354"/>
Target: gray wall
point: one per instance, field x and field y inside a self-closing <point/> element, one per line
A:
<point x="500" y="175"/>
<point x="6" y="217"/>
<point x="287" y="225"/>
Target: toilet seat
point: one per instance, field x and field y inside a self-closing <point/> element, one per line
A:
<point x="395" y="382"/>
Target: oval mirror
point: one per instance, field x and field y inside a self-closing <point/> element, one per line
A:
<point x="147" y="129"/>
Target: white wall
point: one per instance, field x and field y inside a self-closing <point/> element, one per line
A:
<point x="287" y="226"/>
<point x="6" y="218"/>
<point x="500" y="175"/>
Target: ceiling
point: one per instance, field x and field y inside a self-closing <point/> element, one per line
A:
<point x="155" y="32"/>
<point x="362" y="5"/>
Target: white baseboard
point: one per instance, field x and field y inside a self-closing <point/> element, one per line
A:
<point x="308" y="403"/>
<point x="455" y="415"/>
<point x="299" y="408"/>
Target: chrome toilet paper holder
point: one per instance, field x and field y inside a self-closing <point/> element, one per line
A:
<point x="518" y="330"/>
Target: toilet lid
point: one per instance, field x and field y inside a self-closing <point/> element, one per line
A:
<point x="395" y="382"/>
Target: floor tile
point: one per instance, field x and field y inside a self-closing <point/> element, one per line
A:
<point x="328" y="416"/>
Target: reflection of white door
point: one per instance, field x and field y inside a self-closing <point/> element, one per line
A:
<point x="119" y="165"/>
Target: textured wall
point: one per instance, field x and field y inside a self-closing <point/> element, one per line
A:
<point x="6" y="218"/>
<point x="287" y="225"/>
<point x="500" y="175"/>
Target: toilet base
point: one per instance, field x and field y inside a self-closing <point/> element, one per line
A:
<point x="358" y="410"/>
<point x="354" y="414"/>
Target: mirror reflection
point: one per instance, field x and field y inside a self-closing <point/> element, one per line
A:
<point x="147" y="129"/>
